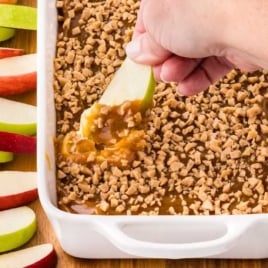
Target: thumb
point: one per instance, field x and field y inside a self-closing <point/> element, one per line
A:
<point x="143" y="49"/>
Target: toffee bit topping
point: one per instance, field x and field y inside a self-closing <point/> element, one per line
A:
<point x="202" y="155"/>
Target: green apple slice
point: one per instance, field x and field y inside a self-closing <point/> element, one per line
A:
<point x="17" y="226"/>
<point x="17" y="117"/>
<point x="132" y="82"/>
<point x="6" y="33"/>
<point x="18" y="17"/>
<point x="6" y="157"/>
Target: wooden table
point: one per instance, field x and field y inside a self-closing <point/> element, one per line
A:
<point x="27" y="40"/>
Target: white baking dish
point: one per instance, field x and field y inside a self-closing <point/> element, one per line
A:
<point x="90" y="236"/>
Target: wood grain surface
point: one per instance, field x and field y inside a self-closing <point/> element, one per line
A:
<point x="27" y="40"/>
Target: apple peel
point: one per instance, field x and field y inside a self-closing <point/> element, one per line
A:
<point x="6" y="52"/>
<point x="17" y="143"/>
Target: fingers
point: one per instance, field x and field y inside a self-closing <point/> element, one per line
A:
<point x="177" y="68"/>
<point x="192" y="75"/>
<point x="167" y="51"/>
<point x="206" y="73"/>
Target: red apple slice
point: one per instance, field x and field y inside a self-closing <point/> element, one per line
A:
<point x="17" y="188"/>
<point x="41" y="256"/>
<point x="17" y="143"/>
<point x="17" y="226"/>
<point x="18" y="74"/>
<point x="8" y="1"/>
<point x="6" y="52"/>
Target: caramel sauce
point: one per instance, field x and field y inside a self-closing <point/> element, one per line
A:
<point x="114" y="141"/>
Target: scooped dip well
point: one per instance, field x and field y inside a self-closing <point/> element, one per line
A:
<point x="112" y="133"/>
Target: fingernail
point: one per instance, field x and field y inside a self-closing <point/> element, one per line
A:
<point x="133" y="48"/>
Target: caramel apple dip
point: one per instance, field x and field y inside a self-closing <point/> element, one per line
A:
<point x="200" y="155"/>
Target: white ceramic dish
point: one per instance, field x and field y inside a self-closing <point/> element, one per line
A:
<point x="91" y="236"/>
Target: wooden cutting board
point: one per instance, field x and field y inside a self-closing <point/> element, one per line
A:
<point x="27" y="40"/>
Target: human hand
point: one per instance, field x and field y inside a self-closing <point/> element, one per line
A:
<point x="195" y="43"/>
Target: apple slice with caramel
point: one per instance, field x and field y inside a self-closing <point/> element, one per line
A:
<point x="113" y="129"/>
<point x="132" y="82"/>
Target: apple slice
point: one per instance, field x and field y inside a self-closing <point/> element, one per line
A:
<point x="6" y="52"/>
<point x="17" y="117"/>
<point x="6" y="157"/>
<point x="17" y="226"/>
<point x="18" y="17"/>
<point x="17" y="143"/>
<point x="17" y="188"/>
<point x="131" y="82"/>
<point x="8" y="2"/>
<point x="18" y="74"/>
<point x="41" y="256"/>
<point x="6" y="33"/>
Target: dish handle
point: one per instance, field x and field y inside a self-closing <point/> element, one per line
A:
<point x="140" y="247"/>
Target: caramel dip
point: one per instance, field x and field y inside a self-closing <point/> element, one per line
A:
<point x="200" y="155"/>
